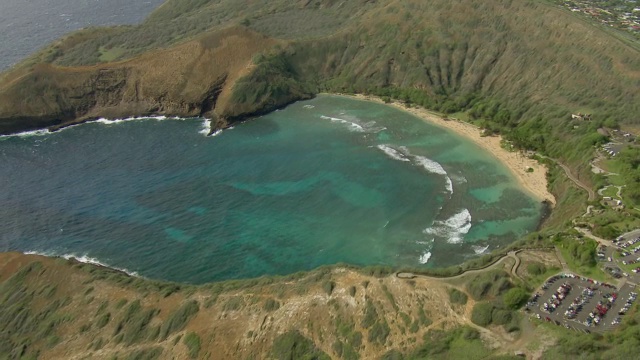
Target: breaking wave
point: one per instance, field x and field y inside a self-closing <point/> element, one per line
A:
<point x="393" y="153"/>
<point x="104" y="121"/>
<point x="453" y="229"/>
<point x="40" y="132"/>
<point x="133" y="118"/>
<point x="425" y="257"/>
<point x="449" y="185"/>
<point x="433" y="167"/>
<point x="83" y="259"/>
<point x="353" y="126"/>
<point x="479" y="250"/>
<point x="206" y="127"/>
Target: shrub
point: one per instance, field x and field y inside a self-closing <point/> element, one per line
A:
<point x="515" y="297"/>
<point x="457" y="297"/>
<point x="293" y="345"/>
<point x="271" y="305"/>
<point x="234" y="303"/>
<point x="536" y="268"/>
<point x="149" y="353"/>
<point x="103" y="320"/>
<point x="192" y="341"/>
<point x="328" y="287"/>
<point x="482" y="313"/>
<point x="370" y="314"/>
<point x="379" y="332"/>
<point x="179" y="318"/>
<point x="500" y="316"/>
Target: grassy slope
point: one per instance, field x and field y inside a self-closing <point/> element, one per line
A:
<point x="523" y="65"/>
<point x="499" y="50"/>
<point x="53" y="308"/>
<point x="490" y="56"/>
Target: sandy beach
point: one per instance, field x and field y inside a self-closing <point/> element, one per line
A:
<point x="534" y="182"/>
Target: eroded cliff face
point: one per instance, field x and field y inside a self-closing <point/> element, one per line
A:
<point x="526" y="58"/>
<point x="191" y="79"/>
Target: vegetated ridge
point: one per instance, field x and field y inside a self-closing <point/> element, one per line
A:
<point x="529" y="58"/>
<point x="517" y="67"/>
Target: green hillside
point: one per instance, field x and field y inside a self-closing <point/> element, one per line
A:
<point x="519" y="68"/>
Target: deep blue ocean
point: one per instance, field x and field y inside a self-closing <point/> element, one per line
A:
<point x="320" y="182"/>
<point x="28" y="25"/>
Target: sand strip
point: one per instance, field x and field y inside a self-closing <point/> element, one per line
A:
<point x="535" y="182"/>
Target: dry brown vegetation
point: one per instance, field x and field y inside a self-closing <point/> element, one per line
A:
<point x="101" y="313"/>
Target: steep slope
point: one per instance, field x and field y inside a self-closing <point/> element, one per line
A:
<point x="526" y="58"/>
<point x="54" y="308"/>
<point x="185" y="80"/>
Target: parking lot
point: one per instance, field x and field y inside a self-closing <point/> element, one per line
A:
<point x="627" y="255"/>
<point x="581" y="304"/>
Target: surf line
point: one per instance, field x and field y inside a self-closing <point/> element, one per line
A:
<point x="85" y="259"/>
<point x="402" y="153"/>
<point x="104" y="121"/>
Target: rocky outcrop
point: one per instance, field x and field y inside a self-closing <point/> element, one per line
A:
<point x="187" y="80"/>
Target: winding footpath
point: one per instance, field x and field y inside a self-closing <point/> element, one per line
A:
<point x="567" y="171"/>
<point x="511" y="254"/>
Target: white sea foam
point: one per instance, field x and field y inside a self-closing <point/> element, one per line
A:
<point x="430" y="165"/>
<point x="425" y="257"/>
<point x="459" y="179"/>
<point x="83" y="259"/>
<point x="353" y="125"/>
<point x="41" y="132"/>
<point x="134" y="118"/>
<point x="454" y="228"/>
<point x="479" y="250"/>
<point x="206" y="127"/>
<point x="104" y="121"/>
<point x="112" y="122"/>
<point x="449" y="185"/>
<point x="402" y="153"/>
<point x="393" y="153"/>
<point x="308" y="106"/>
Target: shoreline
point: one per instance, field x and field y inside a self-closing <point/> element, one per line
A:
<point x="534" y="182"/>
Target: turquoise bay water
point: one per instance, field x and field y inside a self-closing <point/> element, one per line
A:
<point x="323" y="181"/>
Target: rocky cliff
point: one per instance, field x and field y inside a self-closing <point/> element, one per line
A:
<point x="195" y="78"/>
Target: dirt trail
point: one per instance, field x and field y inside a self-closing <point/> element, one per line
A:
<point x="567" y="171"/>
<point x="511" y="254"/>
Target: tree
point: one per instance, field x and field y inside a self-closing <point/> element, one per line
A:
<point x="481" y="314"/>
<point x="515" y="297"/>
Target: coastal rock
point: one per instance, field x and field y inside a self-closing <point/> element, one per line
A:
<point x="193" y="79"/>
